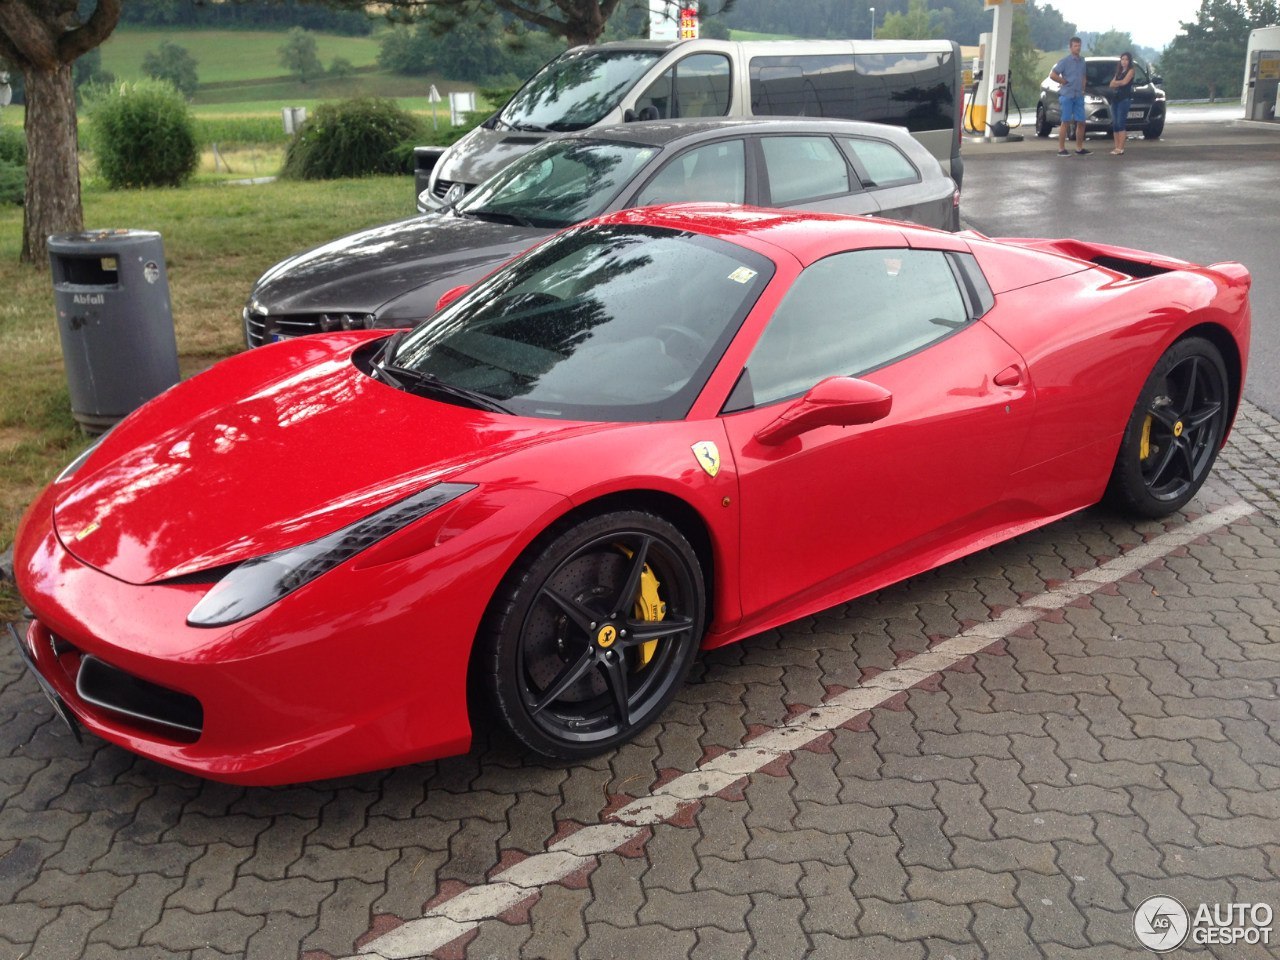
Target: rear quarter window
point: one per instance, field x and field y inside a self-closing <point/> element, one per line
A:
<point x="884" y="163"/>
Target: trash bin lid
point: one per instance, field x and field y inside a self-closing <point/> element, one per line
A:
<point x="77" y="242"/>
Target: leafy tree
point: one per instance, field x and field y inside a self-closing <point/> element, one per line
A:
<point x="1207" y="58"/>
<point x="173" y="63"/>
<point x="1024" y="62"/>
<point x="471" y="53"/>
<point x="407" y="49"/>
<point x="248" y="15"/>
<point x="88" y="69"/>
<point x="299" y="55"/>
<point x="915" y="24"/>
<point x="713" y="28"/>
<point x="42" y="40"/>
<point x="341" y="67"/>
<point x="1049" y="29"/>
<point x="1111" y="43"/>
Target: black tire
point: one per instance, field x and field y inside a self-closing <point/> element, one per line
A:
<point x="1178" y="423"/>
<point x="1043" y="127"/>
<point x="563" y="649"/>
<point x="1154" y="128"/>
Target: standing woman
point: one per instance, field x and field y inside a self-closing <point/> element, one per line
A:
<point x="1121" y="95"/>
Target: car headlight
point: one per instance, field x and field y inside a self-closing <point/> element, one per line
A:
<point x="256" y="584"/>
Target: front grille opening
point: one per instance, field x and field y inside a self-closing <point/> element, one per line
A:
<point x="1133" y="268"/>
<point x="261" y="328"/>
<point x="177" y="716"/>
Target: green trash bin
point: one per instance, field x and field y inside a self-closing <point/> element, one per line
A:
<point x="115" y="321"/>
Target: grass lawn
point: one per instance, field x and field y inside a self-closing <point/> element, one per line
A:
<point x="224" y="56"/>
<point x="218" y="240"/>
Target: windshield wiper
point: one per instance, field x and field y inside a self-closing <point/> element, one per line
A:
<point x="417" y="382"/>
<point x="530" y="127"/>
<point x="387" y="350"/>
<point x="498" y="216"/>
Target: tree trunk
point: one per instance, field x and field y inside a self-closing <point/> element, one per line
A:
<point x="53" y="164"/>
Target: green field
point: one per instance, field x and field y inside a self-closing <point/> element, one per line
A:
<point x="751" y="35"/>
<point x="228" y="56"/>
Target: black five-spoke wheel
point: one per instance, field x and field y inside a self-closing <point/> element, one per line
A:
<point x="1175" y="431"/>
<point x="592" y="635"/>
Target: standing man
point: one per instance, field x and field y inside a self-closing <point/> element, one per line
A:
<point x="1069" y="74"/>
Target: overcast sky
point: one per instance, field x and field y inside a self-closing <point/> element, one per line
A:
<point x="1151" y="23"/>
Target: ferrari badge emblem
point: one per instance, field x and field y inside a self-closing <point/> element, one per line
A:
<point x="708" y="456"/>
<point x="88" y="530"/>
<point x="1177" y="429"/>
<point x="607" y="635"/>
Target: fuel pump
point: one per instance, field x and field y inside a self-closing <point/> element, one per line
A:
<point x="988" y="114"/>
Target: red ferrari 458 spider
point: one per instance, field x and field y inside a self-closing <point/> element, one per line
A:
<point x="661" y="431"/>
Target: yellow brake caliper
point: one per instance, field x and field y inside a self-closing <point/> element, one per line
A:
<point x="649" y="606"/>
<point x="1144" y="446"/>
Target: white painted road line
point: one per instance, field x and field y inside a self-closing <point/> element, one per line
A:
<point x="463" y="912"/>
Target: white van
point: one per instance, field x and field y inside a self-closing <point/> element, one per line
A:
<point x="909" y="83"/>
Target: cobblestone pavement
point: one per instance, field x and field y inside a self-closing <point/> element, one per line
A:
<point x="1020" y="803"/>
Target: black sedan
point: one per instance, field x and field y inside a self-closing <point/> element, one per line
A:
<point x="393" y="275"/>
<point x="1146" y="109"/>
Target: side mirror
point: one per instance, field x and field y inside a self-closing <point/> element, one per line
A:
<point x="1157" y="80"/>
<point x="836" y="401"/>
<point x="628" y="115"/>
<point x="450" y="295"/>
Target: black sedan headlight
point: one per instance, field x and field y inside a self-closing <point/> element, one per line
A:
<point x="256" y="584"/>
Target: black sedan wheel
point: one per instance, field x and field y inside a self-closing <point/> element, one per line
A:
<point x="1175" y="431"/>
<point x="592" y="634"/>
<point x="1154" y="127"/>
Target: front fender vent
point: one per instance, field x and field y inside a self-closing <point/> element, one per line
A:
<point x="179" y="715"/>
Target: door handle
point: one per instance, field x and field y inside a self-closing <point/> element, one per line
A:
<point x="1010" y="376"/>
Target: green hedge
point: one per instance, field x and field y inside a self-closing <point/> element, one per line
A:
<point x="13" y="165"/>
<point x="142" y="135"/>
<point x="353" y="138"/>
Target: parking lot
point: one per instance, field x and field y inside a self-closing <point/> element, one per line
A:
<point x="1002" y="758"/>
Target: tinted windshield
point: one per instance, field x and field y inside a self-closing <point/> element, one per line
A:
<point x="576" y="90"/>
<point x="600" y="323"/>
<point x="559" y="183"/>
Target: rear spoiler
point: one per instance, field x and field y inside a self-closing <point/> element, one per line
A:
<point x="1130" y="262"/>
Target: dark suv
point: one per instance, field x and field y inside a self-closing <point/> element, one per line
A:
<point x="1146" y="109"/>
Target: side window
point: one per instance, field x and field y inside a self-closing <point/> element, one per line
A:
<point x="697" y="86"/>
<point x="715" y="172"/>
<point x="851" y="313"/>
<point x="916" y="90"/>
<point x="885" y="164"/>
<point x="804" y="168"/>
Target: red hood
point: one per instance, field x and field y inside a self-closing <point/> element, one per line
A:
<point x="267" y="450"/>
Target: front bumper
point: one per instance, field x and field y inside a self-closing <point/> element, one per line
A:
<point x="1098" y="116"/>
<point x="364" y="668"/>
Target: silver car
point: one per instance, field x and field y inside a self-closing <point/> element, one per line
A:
<point x="392" y="276"/>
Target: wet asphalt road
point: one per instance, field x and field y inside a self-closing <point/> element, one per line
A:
<point x="1206" y="192"/>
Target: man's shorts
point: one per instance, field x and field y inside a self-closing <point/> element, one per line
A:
<point x="1072" y="108"/>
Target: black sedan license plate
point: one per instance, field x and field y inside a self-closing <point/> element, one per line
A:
<point x="1137" y="114"/>
<point x="59" y="707"/>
